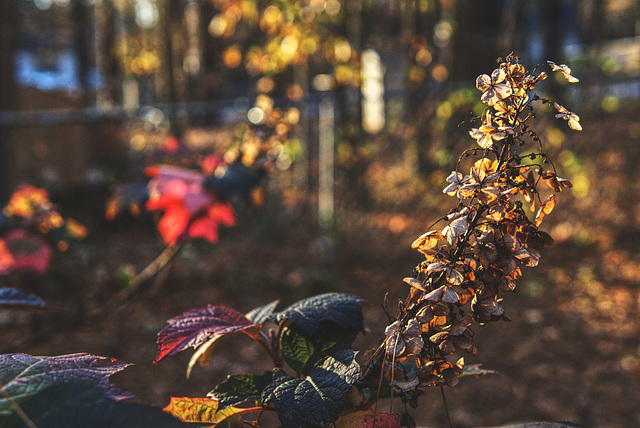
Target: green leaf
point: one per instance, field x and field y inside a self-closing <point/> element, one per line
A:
<point x="368" y="419"/>
<point x="261" y="313"/>
<point x="236" y="389"/>
<point x="78" y="405"/>
<point x="296" y="348"/>
<point x="301" y="351"/>
<point x="204" y="410"/>
<point x="317" y="398"/>
<point x="342" y="309"/>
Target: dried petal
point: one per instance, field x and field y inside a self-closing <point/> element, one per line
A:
<point x="483" y="82"/>
<point x="414" y="344"/>
<point x="456" y="228"/>
<point x="427" y="240"/>
<point x="454" y="277"/>
<point x="395" y="346"/>
<point x="565" y="70"/>
<point x="546" y="208"/>
<point x="436" y="267"/>
<point x="415" y="283"/>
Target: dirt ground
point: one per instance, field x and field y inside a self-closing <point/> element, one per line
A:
<point x="571" y="352"/>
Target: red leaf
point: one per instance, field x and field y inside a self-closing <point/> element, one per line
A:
<point x="193" y="328"/>
<point x="171" y="144"/>
<point x="190" y="211"/>
<point x="206" y="226"/>
<point x="6" y="259"/>
<point x="175" y="220"/>
<point x="29" y="252"/>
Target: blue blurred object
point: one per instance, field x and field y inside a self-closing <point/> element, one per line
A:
<point x="237" y="179"/>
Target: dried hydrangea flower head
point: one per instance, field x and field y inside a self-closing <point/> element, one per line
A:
<point x="474" y="255"/>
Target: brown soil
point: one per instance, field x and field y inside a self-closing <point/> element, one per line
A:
<point x="571" y="353"/>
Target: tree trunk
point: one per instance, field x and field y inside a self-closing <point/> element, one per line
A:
<point x="9" y="31"/>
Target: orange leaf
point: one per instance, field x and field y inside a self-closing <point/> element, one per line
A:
<point x="203" y="410"/>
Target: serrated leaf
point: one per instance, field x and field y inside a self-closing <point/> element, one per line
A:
<point x="23" y="376"/>
<point x="204" y="352"/>
<point x="317" y="398"/>
<point x="302" y="351"/>
<point x="236" y="389"/>
<point x="203" y="410"/>
<point x="195" y="327"/>
<point x="12" y="298"/>
<point x="78" y="405"/>
<point x="368" y="419"/>
<point x="296" y="348"/>
<point x="261" y="313"/>
<point x="342" y="309"/>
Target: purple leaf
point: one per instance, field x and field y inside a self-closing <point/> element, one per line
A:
<point x="193" y="328"/>
<point x="13" y="298"/>
<point x="23" y="376"/>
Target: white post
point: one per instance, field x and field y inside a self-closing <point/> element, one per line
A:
<point x="326" y="144"/>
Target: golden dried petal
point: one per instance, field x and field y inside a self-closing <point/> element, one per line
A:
<point x="498" y="75"/>
<point x="439" y="337"/>
<point x="546" y="208"/>
<point x="415" y="283"/>
<point x="574" y="123"/>
<point x="467" y="191"/>
<point x="427" y="240"/>
<point x="564" y="182"/>
<point x="553" y="183"/>
<point x="454" y="277"/>
<point x="487" y="195"/>
<point x="502" y="91"/>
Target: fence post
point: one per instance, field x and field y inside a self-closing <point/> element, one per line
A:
<point x="324" y="83"/>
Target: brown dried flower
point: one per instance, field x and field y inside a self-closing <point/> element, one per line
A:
<point x="478" y="254"/>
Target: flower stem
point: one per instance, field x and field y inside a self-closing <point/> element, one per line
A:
<point x="446" y="407"/>
<point x="148" y="272"/>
